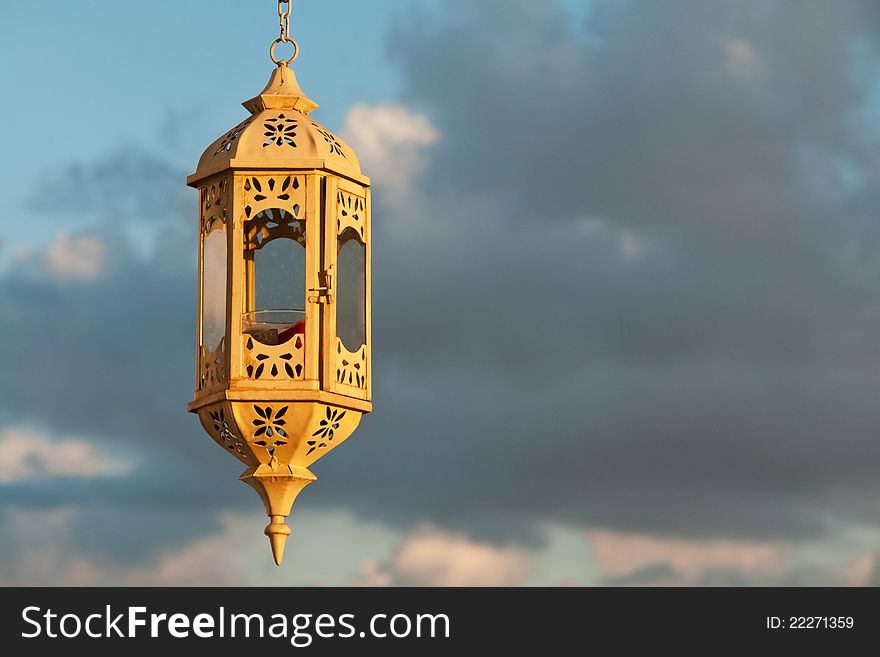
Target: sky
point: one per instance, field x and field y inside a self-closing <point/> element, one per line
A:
<point x="626" y="297"/>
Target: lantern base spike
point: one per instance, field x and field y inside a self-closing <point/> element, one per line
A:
<point x="277" y="532"/>
<point x="278" y="487"/>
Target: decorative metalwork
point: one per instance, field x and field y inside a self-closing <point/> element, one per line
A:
<point x="214" y="205"/>
<point x="232" y="136"/>
<point x="351" y="213"/>
<point x="270" y="423"/>
<point x="270" y="193"/>
<point x="213" y="366"/>
<point x="225" y="435"/>
<point x="280" y="131"/>
<point x="330" y="138"/>
<point x="273" y="223"/>
<point x="325" y="431"/>
<point x="284" y="362"/>
<point x="351" y="367"/>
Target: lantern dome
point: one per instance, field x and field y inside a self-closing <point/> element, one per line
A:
<point x="279" y="134"/>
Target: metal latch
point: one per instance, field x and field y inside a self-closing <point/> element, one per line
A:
<point x="325" y="292"/>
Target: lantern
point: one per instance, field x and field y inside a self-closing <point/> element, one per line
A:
<point x="284" y="292"/>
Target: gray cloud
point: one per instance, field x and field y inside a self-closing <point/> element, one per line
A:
<point x="720" y="383"/>
<point x="112" y="360"/>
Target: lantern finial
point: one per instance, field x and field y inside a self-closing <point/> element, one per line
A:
<point x="282" y="92"/>
<point x="277" y="485"/>
<point x="277" y="532"/>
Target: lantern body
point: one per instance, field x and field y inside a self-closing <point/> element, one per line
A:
<point x="284" y="294"/>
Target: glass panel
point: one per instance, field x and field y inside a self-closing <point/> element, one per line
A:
<point x="214" y="286"/>
<point x="351" y="291"/>
<point x="276" y="265"/>
<point x="280" y="275"/>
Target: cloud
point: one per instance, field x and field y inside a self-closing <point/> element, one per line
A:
<point x="111" y="359"/>
<point x="638" y="558"/>
<point x="206" y="560"/>
<point x="631" y="247"/>
<point x="692" y="388"/>
<point x="76" y="258"/>
<point x="196" y="563"/>
<point x="234" y="552"/>
<point x="741" y="60"/>
<point x="861" y="570"/>
<point x="642" y="559"/>
<point x="391" y="142"/>
<point x="431" y="557"/>
<point x="629" y="244"/>
<point x="371" y="574"/>
<point x="26" y="456"/>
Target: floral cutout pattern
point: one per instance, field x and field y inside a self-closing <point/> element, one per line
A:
<point x="269" y="422"/>
<point x="330" y="138"/>
<point x="232" y="135"/>
<point x="271" y="425"/>
<point x="324" y="434"/>
<point x="224" y="432"/>
<point x="280" y="131"/>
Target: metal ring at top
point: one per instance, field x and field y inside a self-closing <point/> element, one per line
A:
<point x="286" y="62"/>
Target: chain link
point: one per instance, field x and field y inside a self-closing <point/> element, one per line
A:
<point x="284" y="19"/>
<point x="284" y="37"/>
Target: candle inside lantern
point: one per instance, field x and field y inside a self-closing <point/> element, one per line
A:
<point x="274" y="326"/>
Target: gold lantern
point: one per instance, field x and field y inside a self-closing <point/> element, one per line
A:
<point x="284" y="292"/>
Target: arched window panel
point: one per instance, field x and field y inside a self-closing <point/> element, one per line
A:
<point x="350" y="349"/>
<point x="275" y="262"/>
<point x="214" y="257"/>
<point x="351" y="290"/>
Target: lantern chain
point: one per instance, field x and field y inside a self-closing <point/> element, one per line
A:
<point x="284" y="19"/>
<point x="284" y="36"/>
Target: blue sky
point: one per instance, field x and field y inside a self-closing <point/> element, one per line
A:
<point x="89" y="76"/>
<point x="626" y="293"/>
